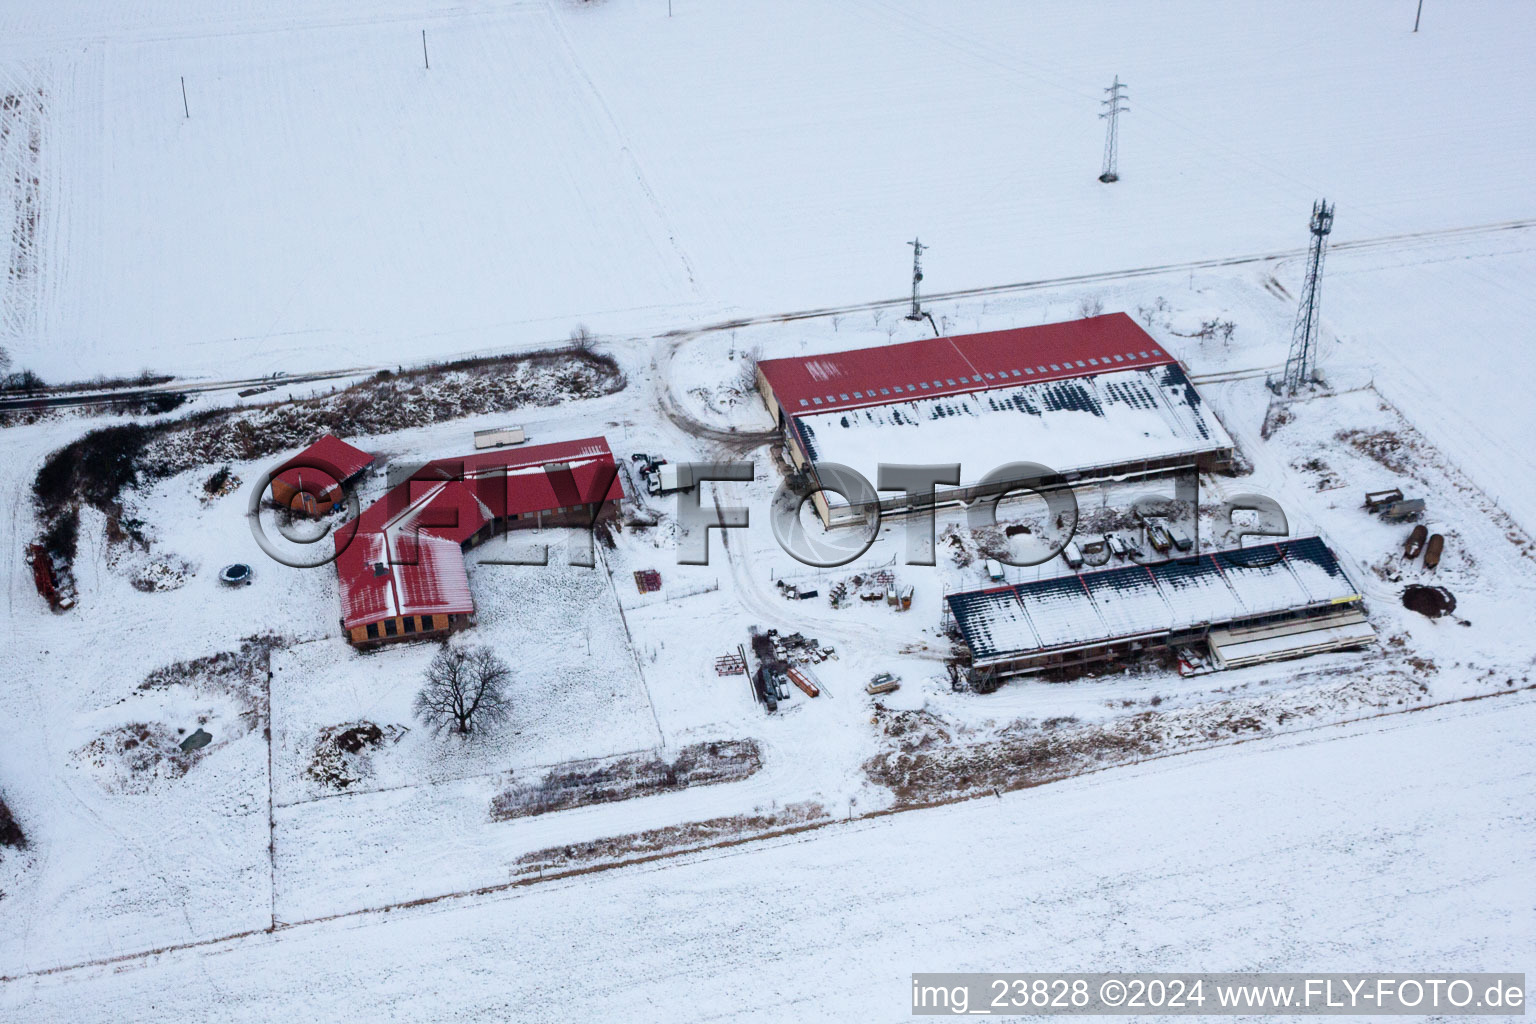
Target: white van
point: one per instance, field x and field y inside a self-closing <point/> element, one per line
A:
<point x="995" y="569"/>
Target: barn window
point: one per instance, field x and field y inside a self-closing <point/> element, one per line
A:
<point x="410" y="623"/>
<point x="990" y="377"/>
<point x="1026" y="370"/>
<point x="1143" y="355"/>
<point x="885" y="391"/>
<point x="1156" y="352"/>
<point x="1091" y="362"/>
<point x="804" y="402"/>
<point x="373" y="631"/>
<point x="923" y="385"/>
<point x="426" y="623"/>
<point x="1119" y="359"/>
<point x="858" y="394"/>
<point x="950" y="383"/>
<point x="1055" y="367"/>
<point x="390" y="629"/>
<point x="1040" y="368"/>
<point x="843" y="397"/>
<point x="816" y="400"/>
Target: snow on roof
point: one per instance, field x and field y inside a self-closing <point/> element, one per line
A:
<point x="1140" y="600"/>
<point x="444" y="504"/>
<point x="970" y="362"/>
<point x="1111" y="418"/>
<point x="996" y="619"/>
<point x="329" y="461"/>
<point x="384" y="575"/>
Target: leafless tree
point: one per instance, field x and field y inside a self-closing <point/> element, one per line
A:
<point x="582" y="340"/>
<point x="746" y="375"/>
<point x="1091" y="305"/>
<point x="465" y="687"/>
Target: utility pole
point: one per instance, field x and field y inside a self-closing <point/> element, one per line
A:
<point x="1417" y="15"/>
<point x="1301" y="364"/>
<point x="917" y="278"/>
<point x="424" y="59"/>
<point x="184" y="109"/>
<point x="1112" y="110"/>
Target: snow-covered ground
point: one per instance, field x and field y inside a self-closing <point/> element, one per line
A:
<point x="602" y="669"/>
<point x="1336" y="847"/>
<point x="332" y="203"/>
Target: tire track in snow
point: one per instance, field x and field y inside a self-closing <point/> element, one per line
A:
<point x="625" y="151"/>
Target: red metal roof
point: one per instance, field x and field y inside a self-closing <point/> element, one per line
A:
<point x="384" y="575"/>
<point x="970" y="362"/>
<point x="444" y="504"/>
<point x="327" y="462"/>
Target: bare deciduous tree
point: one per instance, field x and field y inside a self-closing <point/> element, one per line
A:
<point x="746" y="375"/>
<point x="465" y="687"/>
<point x="582" y="340"/>
<point x="1091" y="305"/>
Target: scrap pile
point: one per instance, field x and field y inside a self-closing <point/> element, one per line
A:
<point x="795" y="592"/>
<point x="867" y="586"/>
<point x="796" y="649"/>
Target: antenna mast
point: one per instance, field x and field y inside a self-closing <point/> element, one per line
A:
<point x="1113" y="108"/>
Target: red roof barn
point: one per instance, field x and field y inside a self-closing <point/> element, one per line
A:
<point x="1097" y="398"/>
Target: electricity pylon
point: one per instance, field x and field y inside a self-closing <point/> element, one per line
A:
<point x="917" y="278"/>
<point x="1113" y="108"/>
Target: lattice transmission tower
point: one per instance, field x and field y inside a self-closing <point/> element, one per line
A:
<point x="1301" y="364"/>
<point x="917" y="278"/>
<point x="1113" y="107"/>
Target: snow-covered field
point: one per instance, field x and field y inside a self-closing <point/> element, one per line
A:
<point x="1336" y="847"/>
<point x="332" y="203"/>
